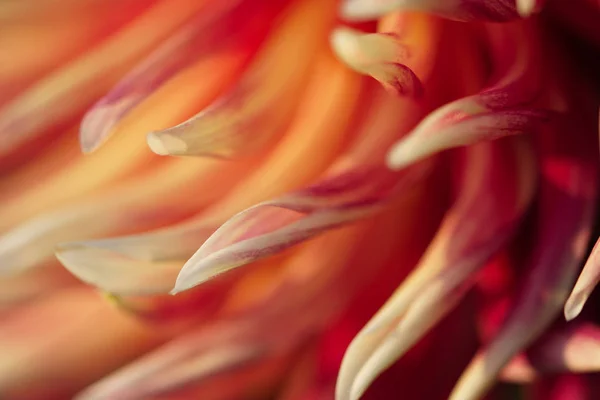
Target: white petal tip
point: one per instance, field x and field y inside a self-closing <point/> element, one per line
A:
<point x="364" y="10"/>
<point x="574" y="305"/>
<point x="401" y="156"/>
<point x="165" y="144"/>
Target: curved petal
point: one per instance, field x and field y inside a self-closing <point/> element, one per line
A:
<point x="575" y="349"/>
<point x="489" y="208"/>
<point x="503" y="108"/>
<point x="163" y="250"/>
<point x="197" y="38"/>
<point x="68" y="90"/>
<point x="261" y="103"/>
<point x="404" y="43"/>
<point x="271" y="227"/>
<point x="565" y="213"/>
<point x="487" y="10"/>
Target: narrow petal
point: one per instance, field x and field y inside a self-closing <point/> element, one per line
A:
<point x="477" y="226"/>
<point x="565" y="213"/>
<point x="63" y="94"/>
<point x="503" y="108"/>
<point x="587" y="281"/>
<point x="494" y="10"/>
<point x="195" y="40"/>
<point x="99" y="262"/>
<point x="273" y="226"/>
<point x="404" y="43"/>
<point x="142" y="264"/>
<point x="263" y="100"/>
<point x="146" y="203"/>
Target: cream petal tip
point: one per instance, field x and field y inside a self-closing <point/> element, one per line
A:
<point x="574" y="305"/>
<point x="364" y="10"/>
<point x="526" y="7"/>
<point x="401" y="155"/>
<point x="165" y="144"/>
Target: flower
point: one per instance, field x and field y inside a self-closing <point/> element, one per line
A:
<point x="366" y="186"/>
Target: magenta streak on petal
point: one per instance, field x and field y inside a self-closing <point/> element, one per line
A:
<point x="490" y="10"/>
<point x="503" y="108"/>
<point x="205" y="32"/>
<point x="405" y="82"/>
<point x="273" y="226"/>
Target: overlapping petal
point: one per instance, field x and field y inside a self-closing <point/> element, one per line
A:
<point x="505" y="107"/>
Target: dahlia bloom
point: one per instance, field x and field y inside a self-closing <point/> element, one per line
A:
<point x="299" y="199"/>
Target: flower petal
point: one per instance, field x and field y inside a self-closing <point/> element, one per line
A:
<point x="140" y="264"/>
<point x="195" y="40"/>
<point x="587" y="281"/>
<point x="478" y="225"/>
<point x="262" y="102"/>
<point x="401" y="39"/>
<point x="142" y="254"/>
<point x="64" y="93"/>
<point x="503" y="108"/>
<point x="490" y="10"/>
<point x="145" y="203"/>
<point x="572" y="350"/>
<point x="566" y="209"/>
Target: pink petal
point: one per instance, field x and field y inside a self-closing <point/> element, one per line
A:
<point x="488" y="10"/>
<point x="503" y="108"/>
<point x="489" y="208"/>
<point x="270" y="227"/>
<point x="261" y="103"/>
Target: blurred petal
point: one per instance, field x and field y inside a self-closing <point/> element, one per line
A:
<point x="263" y="100"/>
<point x="99" y="262"/>
<point x="143" y="204"/>
<point x="402" y="39"/>
<point x="62" y="94"/>
<point x="492" y="10"/>
<point x="54" y="364"/>
<point x="273" y="226"/>
<point x="212" y="29"/>
<point x="572" y="350"/>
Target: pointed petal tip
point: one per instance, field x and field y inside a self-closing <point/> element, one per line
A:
<point x="165" y="144"/>
<point x="574" y="304"/>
